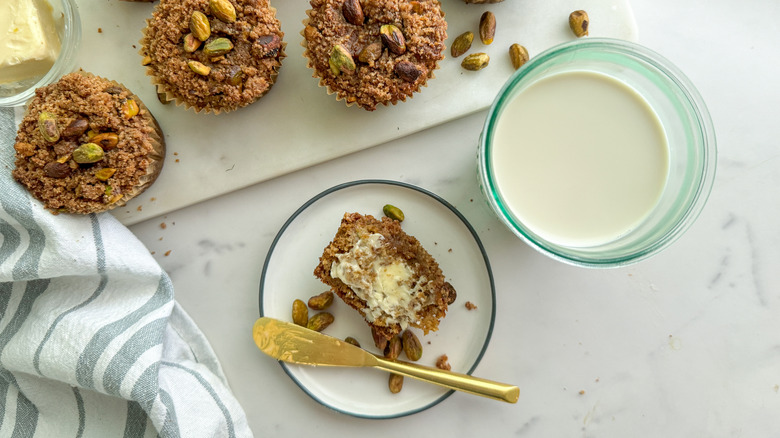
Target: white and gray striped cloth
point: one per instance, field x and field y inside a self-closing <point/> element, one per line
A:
<point x="92" y="343"/>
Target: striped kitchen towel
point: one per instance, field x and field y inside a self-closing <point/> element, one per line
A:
<point x="92" y="343"/>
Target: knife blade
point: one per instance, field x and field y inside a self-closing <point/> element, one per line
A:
<point x="292" y="343"/>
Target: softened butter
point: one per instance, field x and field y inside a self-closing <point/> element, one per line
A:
<point x="30" y="43"/>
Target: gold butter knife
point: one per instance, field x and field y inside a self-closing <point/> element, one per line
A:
<point x="292" y="343"/>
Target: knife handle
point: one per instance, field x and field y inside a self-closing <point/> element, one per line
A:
<point x="448" y="379"/>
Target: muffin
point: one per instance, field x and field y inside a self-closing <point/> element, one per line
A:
<point x="213" y="55"/>
<point x="87" y="144"/>
<point x="386" y="275"/>
<point x="375" y="51"/>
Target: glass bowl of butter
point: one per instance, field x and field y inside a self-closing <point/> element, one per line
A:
<point x="39" y="43"/>
<point x="598" y="153"/>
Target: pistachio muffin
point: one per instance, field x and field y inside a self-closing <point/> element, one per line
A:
<point x="213" y="55"/>
<point x="374" y="52"/>
<point x="386" y="275"/>
<point x="87" y="144"/>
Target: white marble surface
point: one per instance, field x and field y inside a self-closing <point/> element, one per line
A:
<point x="685" y="344"/>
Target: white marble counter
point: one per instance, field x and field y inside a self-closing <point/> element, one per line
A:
<point x="684" y="344"/>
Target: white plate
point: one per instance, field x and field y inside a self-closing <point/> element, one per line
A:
<point x="463" y="335"/>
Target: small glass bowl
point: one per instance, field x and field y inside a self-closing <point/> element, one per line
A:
<point x="684" y="119"/>
<point x="66" y="18"/>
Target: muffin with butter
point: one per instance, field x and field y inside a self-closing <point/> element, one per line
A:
<point x="86" y="144"/>
<point x="386" y="275"/>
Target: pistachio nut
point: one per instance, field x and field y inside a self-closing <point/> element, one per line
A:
<point x="353" y="12"/>
<point x="88" y="153"/>
<point x="462" y="44"/>
<point x="321" y="301"/>
<point x="106" y="140"/>
<point x="407" y="71"/>
<point x="267" y="46"/>
<point x="223" y="10"/>
<point x="341" y="61"/>
<point x="518" y="55"/>
<point x="300" y="313"/>
<point x="393" y="38"/>
<point x="370" y="53"/>
<point x="105" y="173"/>
<point x="320" y="321"/>
<point x="199" y="25"/>
<point x="47" y="125"/>
<point x="129" y="108"/>
<point x="199" y="68"/>
<point x="75" y="128"/>
<point x="380" y="341"/>
<point x="353" y="341"/>
<point x="412" y="345"/>
<point x="114" y="199"/>
<point x="475" y="61"/>
<point x="395" y="383"/>
<point x="191" y="43"/>
<point x="235" y="75"/>
<point x="113" y="90"/>
<point x="55" y="169"/>
<point x="449" y="293"/>
<point x="578" y="22"/>
<point x="394" y="348"/>
<point x="217" y="47"/>
<point x="487" y="27"/>
<point x="393" y="212"/>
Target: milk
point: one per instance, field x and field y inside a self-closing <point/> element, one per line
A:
<point x="580" y="158"/>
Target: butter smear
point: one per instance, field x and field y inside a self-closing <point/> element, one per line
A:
<point x="29" y="43"/>
<point x="387" y="286"/>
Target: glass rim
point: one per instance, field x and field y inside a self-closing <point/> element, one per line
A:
<point x="703" y="126"/>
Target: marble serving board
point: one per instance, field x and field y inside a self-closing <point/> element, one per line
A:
<point x="297" y="124"/>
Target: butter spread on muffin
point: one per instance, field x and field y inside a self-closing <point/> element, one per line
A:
<point x="385" y="274"/>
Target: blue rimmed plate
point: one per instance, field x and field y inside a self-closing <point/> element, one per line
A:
<point x="463" y="335"/>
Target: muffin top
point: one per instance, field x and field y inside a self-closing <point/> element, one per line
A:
<point x="86" y="144"/>
<point x="213" y="55"/>
<point x="374" y="52"/>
